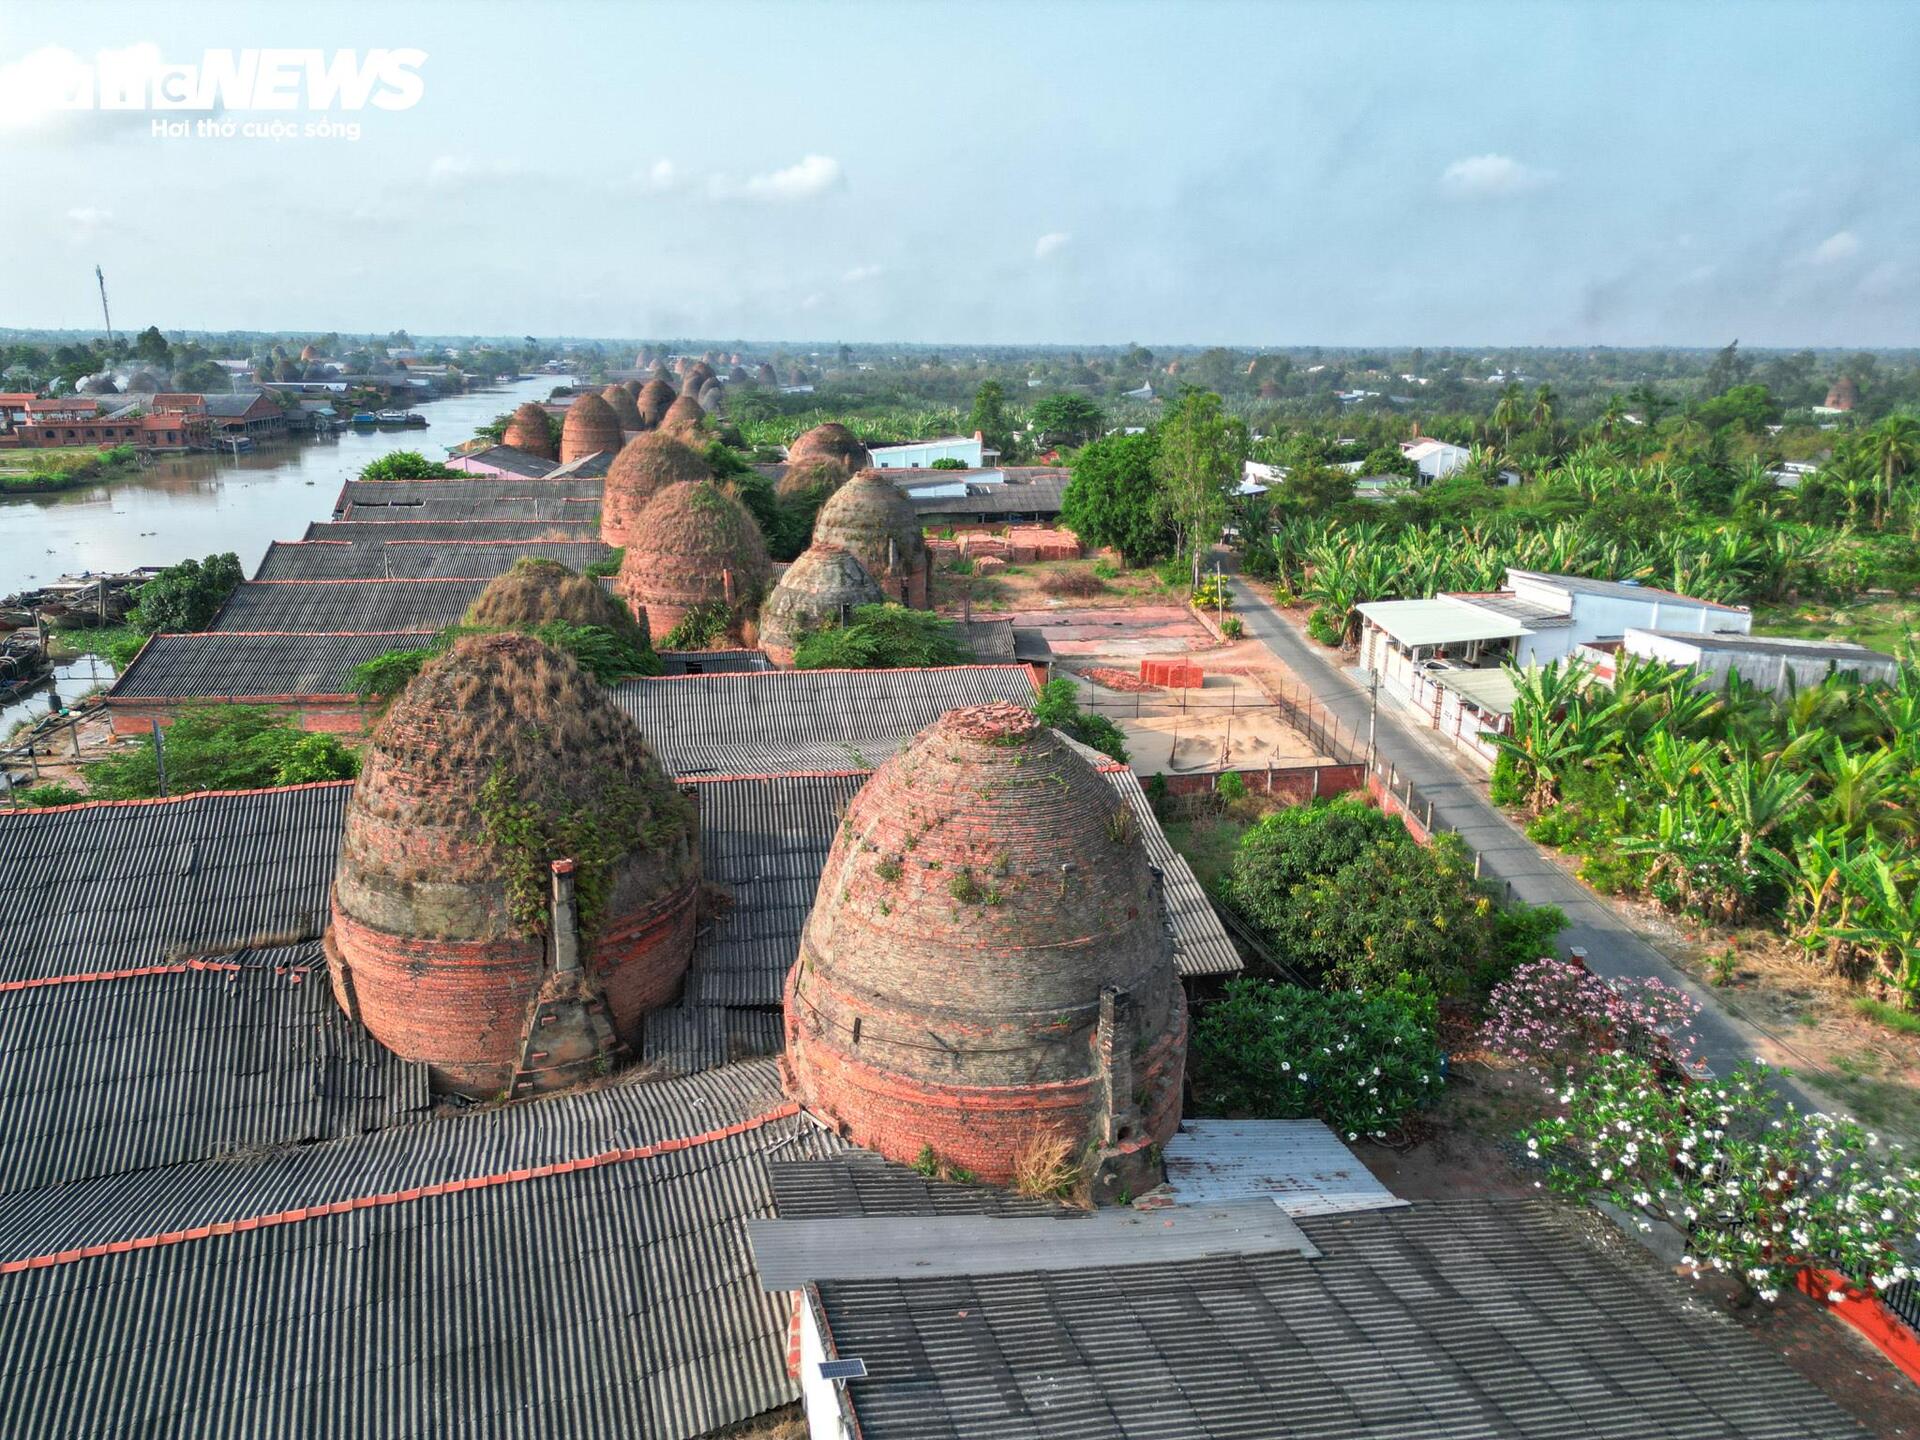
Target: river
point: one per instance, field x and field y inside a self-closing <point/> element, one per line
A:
<point x="190" y="506"/>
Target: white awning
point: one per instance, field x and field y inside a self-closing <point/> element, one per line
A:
<point x="1440" y="621"/>
<point x="1490" y="692"/>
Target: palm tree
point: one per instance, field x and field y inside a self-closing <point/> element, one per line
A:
<point x="1894" y="447"/>
<point x="1544" y="401"/>
<point x="1507" y="411"/>
<point x="1649" y="402"/>
<point x="1611" y="414"/>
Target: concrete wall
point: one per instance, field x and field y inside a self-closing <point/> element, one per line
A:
<point x="1599" y="616"/>
<point x="1299" y="785"/>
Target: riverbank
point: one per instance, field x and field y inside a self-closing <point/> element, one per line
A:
<point x="50" y="472"/>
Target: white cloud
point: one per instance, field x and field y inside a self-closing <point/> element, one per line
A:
<point x="90" y="217"/>
<point x="1841" y="245"/>
<point x="808" y="179"/>
<point x="52" y="90"/>
<point x="662" y="175"/>
<point x="448" y="171"/>
<point x="1492" y="177"/>
<point x="863" y="272"/>
<point x="1052" y="243"/>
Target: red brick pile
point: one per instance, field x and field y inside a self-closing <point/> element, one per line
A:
<point x="1175" y="674"/>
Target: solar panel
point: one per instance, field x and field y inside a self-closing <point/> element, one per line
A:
<point x="855" y="1369"/>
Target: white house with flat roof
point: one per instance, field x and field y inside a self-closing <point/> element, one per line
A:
<point x="1435" y="653"/>
<point x="970" y="450"/>
<point x="1777" y="663"/>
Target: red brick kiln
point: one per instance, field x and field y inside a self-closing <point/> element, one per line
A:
<point x="988" y="962"/>
<point x="590" y="427"/>
<point x="646" y="465"/>
<point x="694" y="546"/>
<point x="873" y="520"/>
<point x="518" y="877"/>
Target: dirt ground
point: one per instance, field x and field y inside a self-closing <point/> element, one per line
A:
<point x="1053" y="584"/>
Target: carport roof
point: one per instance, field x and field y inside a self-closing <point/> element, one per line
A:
<point x="1440" y="621"/>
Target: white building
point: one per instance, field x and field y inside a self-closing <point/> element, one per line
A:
<point x="970" y="450"/>
<point x="1436" y="654"/>
<point x="1772" y="662"/>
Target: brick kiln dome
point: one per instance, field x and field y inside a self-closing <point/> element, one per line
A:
<point x="652" y="402"/>
<point x="1843" y="394"/>
<point x="712" y="396"/>
<point x="812" y="475"/>
<point x="694" y="546"/>
<point x="632" y="387"/>
<point x="646" y="465"/>
<point x="831" y="441"/>
<point x="694" y="376"/>
<point x="590" y="426"/>
<point x="818" y="589"/>
<point x="870" y="516"/>
<point x="536" y="591"/>
<point x="764" y="375"/>
<point x="684" y="415"/>
<point x="624" y="409"/>
<point x="461" y="935"/>
<point x="988" y="962"/>
<point x="528" y="430"/>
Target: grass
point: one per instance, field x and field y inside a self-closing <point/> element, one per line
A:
<point x="1881" y="624"/>
<point x="1891" y="1016"/>
<point x="1208" y="843"/>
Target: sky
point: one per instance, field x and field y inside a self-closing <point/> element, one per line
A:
<point x="1674" y="172"/>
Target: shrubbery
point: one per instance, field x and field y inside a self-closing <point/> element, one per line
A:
<point x="221" y="747"/>
<point x="185" y="596"/>
<point x="1057" y="707"/>
<point x="1360" y="1062"/>
<point x="880" y="637"/>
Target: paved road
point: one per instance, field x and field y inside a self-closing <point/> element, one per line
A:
<point x="1613" y="948"/>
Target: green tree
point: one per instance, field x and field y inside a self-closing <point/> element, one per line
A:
<point x="1067" y="419"/>
<point x="409" y="465"/>
<point x="1058" y="709"/>
<point x="1197" y="462"/>
<point x="880" y="637"/>
<point x="1114" y="499"/>
<point x="1894" y="446"/>
<point x="152" y="346"/>
<point x="992" y="419"/>
<point x="186" y="596"/>
<point x="221" y="747"/>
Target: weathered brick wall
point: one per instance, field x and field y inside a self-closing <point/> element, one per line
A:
<point x="1295" y="785"/>
<point x="332" y="714"/>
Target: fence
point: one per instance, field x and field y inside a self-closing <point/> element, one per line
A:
<point x="43" y="740"/>
<point x="1331" y="740"/>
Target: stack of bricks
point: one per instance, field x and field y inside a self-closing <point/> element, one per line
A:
<point x="987" y="564"/>
<point x="1175" y="674"/>
<point x="977" y="545"/>
<point x="1028" y="543"/>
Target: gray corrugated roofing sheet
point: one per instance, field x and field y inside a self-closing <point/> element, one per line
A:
<point x="713" y="662"/>
<point x="88" y="888"/>
<point x="1444" y="1322"/>
<point x="1300" y="1165"/>
<point x="377" y="532"/>
<point x="859" y="1183"/>
<point x="1043" y="495"/>
<point x="575" y="499"/>
<point x="616" y="1301"/>
<point x="1201" y="946"/>
<point x="1791" y="648"/>
<point x="791" y="1253"/>
<point x="1614" y="589"/>
<point x="105" y="1076"/>
<point x="417" y="559"/>
<point x="785" y="720"/>
<point x="517" y="462"/>
<point x="213" y="664"/>
<point x="1534" y="617"/>
<point x="333" y="605"/>
<point x="991" y="641"/>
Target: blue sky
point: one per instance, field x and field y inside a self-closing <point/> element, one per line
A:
<point x="1261" y="173"/>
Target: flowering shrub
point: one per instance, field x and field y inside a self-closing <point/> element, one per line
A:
<point x="1760" y="1190"/>
<point x="1554" y="1015"/>
<point x="1358" y="1061"/>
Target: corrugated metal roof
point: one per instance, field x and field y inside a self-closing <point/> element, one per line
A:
<point x="787" y="720"/>
<point x="1783" y="645"/>
<point x="791" y="1253"/>
<point x="713" y="662"/>
<point x="1616" y="589"/>
<point x="109" y="886"/>
<point x="417" y="559"/>
<point x="575" y="498"/>
<point x="859" y="1183"/>
<point x="1439" y="621"/>
<point x="1042" y="495"/>
<point x="105" y="1076"/>
<point x="323" y="605"/>
<point x="1298" y="1164"/>
<point x="618" y="1301"/>
<point x="1200" y="942"/>
<point x="1492" y="690"/>
<point x="374" y="532"/>
<point x="1450" y="1320"/>
<point x="214" y="664"/>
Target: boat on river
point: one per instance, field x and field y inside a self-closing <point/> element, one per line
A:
<point x="398" y="417"/>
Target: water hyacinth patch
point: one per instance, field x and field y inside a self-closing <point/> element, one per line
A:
<point x="1360" y="1062"/>
<point x="1558" y="1017"/>
<point x="1760" y="1190"/>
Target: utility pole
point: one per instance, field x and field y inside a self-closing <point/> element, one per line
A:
<point x="1373" y="712"/>
<point x="105" y="314"/>
<point x="160" y="757"/>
